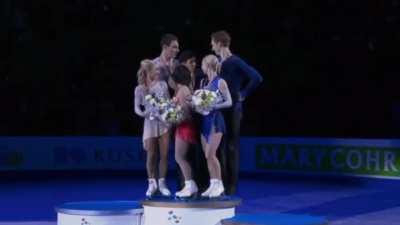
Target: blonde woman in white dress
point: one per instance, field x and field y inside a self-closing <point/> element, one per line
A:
<point x="155" y="133"/>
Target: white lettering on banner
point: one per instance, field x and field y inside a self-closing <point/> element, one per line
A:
<point x="99" y="155"/>
<point x="114" y="155"/>
<point x="304" y="158"/>
<point x="333" y="158"/>
<point x="319" y="157"/>
<point x="272" y="158"/>
<point x="320" y="154"/>
<point x="373" y="158"/>
<point x="354" y="162"/>
<point x="289" y="157"/>
<point x="389" y="161"/>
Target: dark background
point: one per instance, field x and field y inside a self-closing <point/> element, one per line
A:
<point x="330" y="67"/>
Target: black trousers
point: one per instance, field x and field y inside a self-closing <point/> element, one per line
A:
<point x="228" y="153"/>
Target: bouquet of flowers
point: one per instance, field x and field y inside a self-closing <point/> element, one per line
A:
<point x="164" y="109"/>
<point x="172" y="114"/>
<point x="156" y="105"/>
<point x="204" y="100"/>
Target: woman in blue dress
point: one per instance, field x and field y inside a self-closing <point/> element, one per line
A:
<point x="213" y="125"/>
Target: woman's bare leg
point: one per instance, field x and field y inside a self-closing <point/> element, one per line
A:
<point x="151" y="157"/>
<point x="163" y="143"/>
<point x="210" y="151"/>
<point x="181" y="148"/>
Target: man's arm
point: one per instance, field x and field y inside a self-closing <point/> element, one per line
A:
<point x="254" y="76"/>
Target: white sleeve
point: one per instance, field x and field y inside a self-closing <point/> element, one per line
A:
<point x="139" y="101"/>
<point x="223" y="88"/>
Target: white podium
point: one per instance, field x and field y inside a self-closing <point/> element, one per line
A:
<point x="188" y="212"/>
<point x="100" y="213"/>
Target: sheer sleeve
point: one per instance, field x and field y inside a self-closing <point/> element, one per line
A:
<point x="223" y="88"/>
<point x="139" y="97"/>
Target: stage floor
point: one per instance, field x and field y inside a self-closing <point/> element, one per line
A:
<point x="343" y="201"/>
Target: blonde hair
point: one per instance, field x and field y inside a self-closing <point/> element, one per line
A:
<point x="212" y="62"/>
<point x="146" y="66"/>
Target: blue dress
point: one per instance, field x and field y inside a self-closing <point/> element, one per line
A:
<point x="214" y="119"/>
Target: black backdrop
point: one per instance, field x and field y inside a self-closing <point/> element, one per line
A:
<point x="329" y="67"/>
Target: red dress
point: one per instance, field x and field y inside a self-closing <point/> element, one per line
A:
<point x="187" y="131"/>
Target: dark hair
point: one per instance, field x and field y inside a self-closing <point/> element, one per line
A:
<point x="166" y="39"/>
<point x="186" y="55"/>
<point x="181" y="75"/>
<point x="223" y="37"/>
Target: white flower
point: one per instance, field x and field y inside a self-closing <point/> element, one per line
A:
<point x="164" y="116"/>
<point x="204" y="100"/>
<point x="162" y="100"/>
<point x="152" y="101"/>
<point x="196" y="100"/>
<point x="197" y="92"/>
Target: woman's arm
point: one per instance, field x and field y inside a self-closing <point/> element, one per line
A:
<point x="183" y="95"/>
<point x="139" y="101"/>
<point x="226" y="94"/>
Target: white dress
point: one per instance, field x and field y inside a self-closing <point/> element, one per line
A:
<point x="151" y="128"/>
